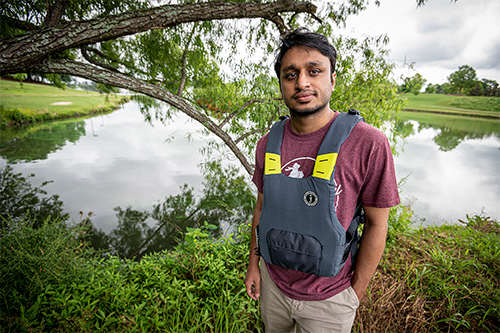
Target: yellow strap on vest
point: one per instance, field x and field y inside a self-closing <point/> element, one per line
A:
<point x="272" y="164"/>
<point x="323" y="168"/>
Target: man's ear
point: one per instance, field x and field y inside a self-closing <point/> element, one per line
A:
<point x="334" y="76"/>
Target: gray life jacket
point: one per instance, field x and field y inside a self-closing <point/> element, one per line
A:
<point x="298" y="227"/>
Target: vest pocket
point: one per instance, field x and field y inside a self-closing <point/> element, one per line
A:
<point x="294" y="251"/>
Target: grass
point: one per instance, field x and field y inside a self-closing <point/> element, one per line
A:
<point x="198" y="287"/>
<point x="478" y="106"/>
<point x="38" y="102"/>
<point x="435" y="279"/>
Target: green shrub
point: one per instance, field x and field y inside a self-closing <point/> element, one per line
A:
<point x="198" y="287"/>
<point x="32" y="260"/>
<point x="13" y="117"/>
<point x="399" y="222"/>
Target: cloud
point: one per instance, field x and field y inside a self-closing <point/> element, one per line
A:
<point x="429" y="50"/>
<point x="490" y="59"/>
<point x="438" y="37"/>
<point x="432" y="21"/>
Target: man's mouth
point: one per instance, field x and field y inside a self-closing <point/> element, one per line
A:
<point x="304" y="96"/>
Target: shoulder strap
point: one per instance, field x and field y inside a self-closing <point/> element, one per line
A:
<point x="276" y="137"/>
<point x="334" y="138"/>
<point x="272" y="164"/>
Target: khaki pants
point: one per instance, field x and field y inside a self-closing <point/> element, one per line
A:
<point x="282" y="314"/>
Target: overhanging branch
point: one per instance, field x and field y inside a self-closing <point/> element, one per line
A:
<point x="28" y="49"/>
<point x="87" y="57"/>
<point x="105" y="76"/>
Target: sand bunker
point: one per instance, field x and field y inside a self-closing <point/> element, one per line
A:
<point x="62" y="103"/>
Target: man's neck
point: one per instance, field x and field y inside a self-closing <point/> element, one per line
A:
<point x="312" y="123"/>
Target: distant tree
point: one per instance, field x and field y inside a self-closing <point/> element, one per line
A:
<point x="412" y="84"/>
<point x="431" y="88"/>
<point x="444" y="88"/>
<point x="490" y="88"/>
<point x="463" y="80"/>
<point x="21" y="77"/>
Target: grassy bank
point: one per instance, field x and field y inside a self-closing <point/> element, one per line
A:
<point x="437" y="279"/>
<point x="479" y="106"/>
<point x="479" y="126"/>
<point x="38" y="102"/>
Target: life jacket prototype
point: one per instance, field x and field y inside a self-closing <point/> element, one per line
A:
<point x="298" y="227"/>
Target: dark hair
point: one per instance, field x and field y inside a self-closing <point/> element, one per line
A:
<point x="303" y="37"/>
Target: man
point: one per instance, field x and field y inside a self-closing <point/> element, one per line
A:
<point x="298" y="293"/>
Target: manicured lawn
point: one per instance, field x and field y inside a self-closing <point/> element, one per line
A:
<point x="43" y="102"/>
<point x="459" y="105"/>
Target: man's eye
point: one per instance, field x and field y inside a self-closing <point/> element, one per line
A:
<point x="290" y="75"/>
<point x="315" y="71"/>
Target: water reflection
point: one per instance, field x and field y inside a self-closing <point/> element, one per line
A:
<point x="226" y="200"/>
<point x="452" y="129"/>
<point x="454" y="166"/>
<point x="37" y="142"/>
<point x="19" y="199"/>
<point x="107" y="161"/>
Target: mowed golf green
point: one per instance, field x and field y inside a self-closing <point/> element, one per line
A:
<point x="480" y="106"/>
<point x="35" y="99"/>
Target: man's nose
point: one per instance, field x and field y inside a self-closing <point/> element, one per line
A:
<point x="302" y="81"/>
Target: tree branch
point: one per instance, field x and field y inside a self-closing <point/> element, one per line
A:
<point x="106" y="76"/>
<point x="233" y="114"/>
<point x="87" y="57"/>
<point x="258" y="130"/>
<point x="55" y="12"/>
<point x="183" y="62"/>
<point x="276" y="19"/>
<point x="22" y="51"/>
<point x="18" y="24"/>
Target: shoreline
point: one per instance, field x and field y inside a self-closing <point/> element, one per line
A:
<point x="12" y="118"/>
<point x="33" y="103"/>
<point x="451" y="113"/>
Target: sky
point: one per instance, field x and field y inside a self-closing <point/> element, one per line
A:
<point x="438" y="37"/>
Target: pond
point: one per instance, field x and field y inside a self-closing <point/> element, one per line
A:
<point x="453" y="167"/>
<point x="118" y="159"/>
<point x="109" y="160"/>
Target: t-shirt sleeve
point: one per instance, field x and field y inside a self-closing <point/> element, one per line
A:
<point x="260" y="154"/>
<point x="380" y="188"/>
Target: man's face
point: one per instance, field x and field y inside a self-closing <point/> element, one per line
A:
<point x="306" y="81"/>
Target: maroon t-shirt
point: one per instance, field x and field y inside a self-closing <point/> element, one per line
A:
<point x="364" y="170"/>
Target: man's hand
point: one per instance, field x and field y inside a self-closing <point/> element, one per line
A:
<point x="252" y="282"/>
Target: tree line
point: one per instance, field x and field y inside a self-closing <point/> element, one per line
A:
<point x="464" y="81"/>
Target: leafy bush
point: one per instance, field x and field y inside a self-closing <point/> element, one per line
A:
<point x="399" y="222"/>
<point x="198" y="287"/>
<point x="33" y="259"/>
<point x="13" y="117"/>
